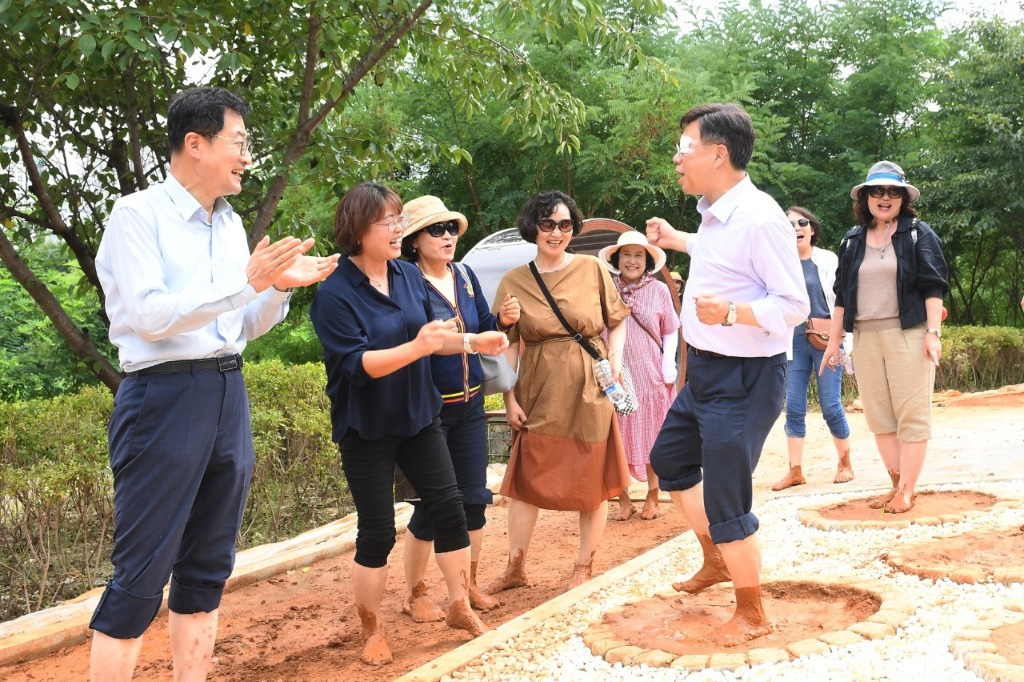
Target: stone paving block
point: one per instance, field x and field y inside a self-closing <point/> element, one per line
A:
<point x="655" y="658"/>
<point x="759" y="656"/>
<point x="691" y="662"/>
<point x="959" y="647"/>
<point x="969" y="575"/>
<point x="840" y="638"/>
<point x="975" y="633"/>
<point x="928" y="521"/>
<point x="975" y="658"/>
<point x="623" y="654"/>
<point x="893" y="618"/>
<point x="872" y="630"/>
<point x="727" y="661"/>
<point x="603" y="646"/>
<point x="951" y="518"/>
<point x="1004" y="672"/>
<point x="1009" y="574"/>
<point x="807" y="647"/>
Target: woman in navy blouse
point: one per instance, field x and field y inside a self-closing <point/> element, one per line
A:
<point x="373" y="318"/>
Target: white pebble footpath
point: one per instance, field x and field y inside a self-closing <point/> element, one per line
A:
<point x="920" y="649"/>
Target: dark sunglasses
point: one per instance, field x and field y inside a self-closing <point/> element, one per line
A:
<point x="879" y="191"/>
<point x="549" y="225"/>
<point x="802" y="222"/>
<point x="438" y="229"/>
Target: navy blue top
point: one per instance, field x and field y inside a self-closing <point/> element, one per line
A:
<point x="458" y="377"/>
<point x="350" y="317"/>
<point x="815" y="292"/>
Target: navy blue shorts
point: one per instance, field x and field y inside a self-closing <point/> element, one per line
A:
<point x="465" y="429"/>
<point x="182" y="458"/>
<point x="715" y="431"/>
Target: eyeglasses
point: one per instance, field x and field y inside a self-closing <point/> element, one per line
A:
<point x="686" y="144"/>
<point x="395" y="223"/>
<point x="802" y="222"/>
<point x="549" y="225"/>
<point x="879" y="191"/>
<point x="245" y="147"/>
<point x="438" y="229"/>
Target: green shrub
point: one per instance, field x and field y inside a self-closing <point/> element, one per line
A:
<point x="56" y="497"/>
<point x="980" y="358"/>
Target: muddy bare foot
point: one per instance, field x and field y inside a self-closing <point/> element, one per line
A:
<point x="514" y="576"/>
<point x="738" y="630"/>
<point x="795" y="476"/>
<point x="580" y="574"/>
<point x="880" y="502"/>
<point x="651" y="510"/>
<point x="844" y="472"/>
<point x="376" y="648"/>
<point x="461" y="617"/>
<point x="421" y="607"/>
<point x="626" y="510"/>
<point x="900" y="503"/>
<point x="711" y="573"/>
<point x="480" y="600"/>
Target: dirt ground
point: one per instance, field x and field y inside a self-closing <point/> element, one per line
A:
<point x="302" y="625"/>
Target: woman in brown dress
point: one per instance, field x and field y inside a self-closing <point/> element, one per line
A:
<point x="567" y="454"/>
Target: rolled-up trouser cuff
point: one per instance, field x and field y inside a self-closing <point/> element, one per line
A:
<point x="734" y="529"/>
<point x="194" y="598"/>
<point x="683" y="483"/>
<point x="123" y="615"/>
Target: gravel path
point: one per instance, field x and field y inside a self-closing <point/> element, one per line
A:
<point x="920" y="650"/>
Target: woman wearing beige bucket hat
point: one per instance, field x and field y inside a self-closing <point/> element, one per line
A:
<point x="889" y="287"/>
<point x="650" y="355"/>
<point x="456" y="299"/>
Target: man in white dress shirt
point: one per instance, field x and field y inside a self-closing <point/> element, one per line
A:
<point x="183" y="295"/>
<point x="744" y="295"/>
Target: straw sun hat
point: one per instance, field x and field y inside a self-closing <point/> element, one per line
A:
<point x="632" y="238"/>
<point x="427" y="210"/>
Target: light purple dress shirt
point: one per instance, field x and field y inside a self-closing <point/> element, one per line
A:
<point x="746" y="253"/>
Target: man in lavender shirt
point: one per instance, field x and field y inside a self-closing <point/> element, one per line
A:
<point x="744" y="295"/>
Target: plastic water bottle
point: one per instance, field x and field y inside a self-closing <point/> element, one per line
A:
<point x="613" y="389"/>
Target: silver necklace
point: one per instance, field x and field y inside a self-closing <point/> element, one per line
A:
<point x="886" y="242"/>
<point x="375" y="282"/>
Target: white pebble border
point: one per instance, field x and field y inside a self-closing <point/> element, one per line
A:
<point x="920" y="650"/>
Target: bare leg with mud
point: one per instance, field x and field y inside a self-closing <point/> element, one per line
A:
<point x="651" y="510"/>
<point x="844" y="470"/>
<point x="418" y="603"/>
<point x="626" y="508"/>
<point x="743" y="559"/>
<point x="368" y="586"/>
<point x="455" y="567"/>
<point x="795" y="475"/>
<point x="522" y="517"/>
<point x="713" y="571"/>
<point x="911" y="462"/>
<point x="889" y="448"/>
<point x="478" y="599"/>
<point x="592" y="525"/>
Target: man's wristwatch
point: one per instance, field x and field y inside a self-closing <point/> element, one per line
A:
<point x="465" y="344"/>
<point x="937" y="332"/>
<point x="730" y="317"/>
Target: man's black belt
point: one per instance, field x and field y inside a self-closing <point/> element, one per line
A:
<point x="224" y="363"/>
<point x="704" y="353"/>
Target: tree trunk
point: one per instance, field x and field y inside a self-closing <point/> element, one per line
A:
<point x="76" y="339"/>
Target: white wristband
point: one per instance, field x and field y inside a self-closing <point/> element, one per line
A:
<point x="465" y="343"/>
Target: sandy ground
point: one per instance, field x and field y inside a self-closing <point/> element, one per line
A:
<point x="302" y="626"/>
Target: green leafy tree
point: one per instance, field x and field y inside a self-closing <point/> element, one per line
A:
<point x="83" y="87"/>
<point x="971" y="168"/>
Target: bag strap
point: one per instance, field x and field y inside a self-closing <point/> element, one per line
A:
<point x="576" y="336"/>
<point x="649" y="332"/>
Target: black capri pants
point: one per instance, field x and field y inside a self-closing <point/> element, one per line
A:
<point x="369" y="467"/>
